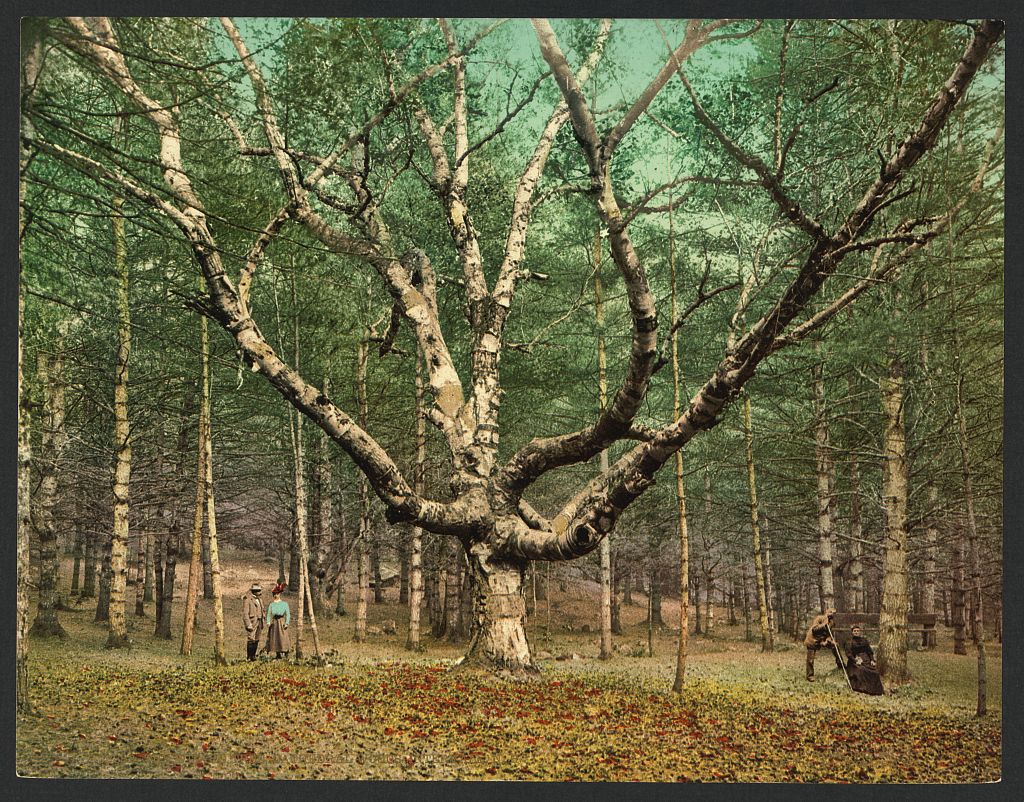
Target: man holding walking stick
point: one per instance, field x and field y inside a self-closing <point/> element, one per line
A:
<point x="819" y="636"/>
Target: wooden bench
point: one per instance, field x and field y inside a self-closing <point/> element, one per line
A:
<point x="922" y="624"/>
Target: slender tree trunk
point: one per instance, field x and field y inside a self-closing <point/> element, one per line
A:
<point x="452" y="592"/>
<point x="172" y="538"/>
<point x="972" y="535"/>
<point x="24" y="702"/>
<point x="140" y="576"/>
<point x="823" y="456"/>
<point x="892" y="645"/>
<point x="89" y="567"/>
<point x="301" y="516"/>
<point x="378" y="579"/>
<point x="602" y="401"/>
<point x="767" y="639"/>
<point x="362" y="554"/>
<point x="931" y="552"/>
<point x="769" y="578"/>
<point x="149" y="575"/>
<point x="857" y="600"/>
<point x="76" y="569"/>
<point x="219" y="656"/>
<point x="117" y="636"/>
<point x="207" y="566"/>
<point x="293" y="557"/>
<point x="324" y="524"/>
<point x="698" y="619"/>
<point x="159" y="550"/>
<point x="280" y="560"/>
<point x="195" y="565"/>
<point x="416" y="540"/>
<point x="31" y="61"/>
<point x="616" y="584"/>
<point x="103" y="596"/>
<point x="51" y="380"/>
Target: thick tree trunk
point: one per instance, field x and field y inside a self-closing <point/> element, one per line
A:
<point x="767" y="638"/>
<point x="51" y="380"/>
<point x="892" y="641"/>
<point x="823" y="458"/>
<point x="499" y="612"/>
<point x="117" y="636"/>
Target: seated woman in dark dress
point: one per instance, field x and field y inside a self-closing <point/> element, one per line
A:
<point x="860" y="665"/>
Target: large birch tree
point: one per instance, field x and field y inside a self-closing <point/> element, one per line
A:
<point x="340" y="195"/>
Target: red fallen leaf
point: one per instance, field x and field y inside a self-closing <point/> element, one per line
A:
<point x="410" y="761"/>
<point x="695" y="734"/>
<point x="543" y="721"/>
<point x="390" y="730"/>
<point x="360" y="719"/>
<point x="285" y="735"/>
<point x="140" y="755"/>
<point x="712" y="721"/>
<point x="330" y="716"/>
<point x="286" y="749"/>
<point x="327" y="703"/>
<point x="111" y="737"/>
<point x="661" y="732"/>
<point x="176" y="767"/>
<point x="206" y="746"/>
<point x="200" y="764"/>
<point x="184" y="713"/>
<point x="491" y="770"/>
<point x="474" y="744"/>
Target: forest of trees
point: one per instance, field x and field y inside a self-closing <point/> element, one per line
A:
<point x="710" y="307"/>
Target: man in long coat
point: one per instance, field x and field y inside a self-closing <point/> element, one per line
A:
<point x="819" y="636"/>
<point x="253" y="613"/>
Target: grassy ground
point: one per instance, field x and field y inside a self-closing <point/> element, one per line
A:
<point x="378" y="711"/>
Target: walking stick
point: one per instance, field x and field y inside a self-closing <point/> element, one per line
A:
<point x="835" y="646"/>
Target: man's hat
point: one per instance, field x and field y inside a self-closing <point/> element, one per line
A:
<point x="255" y="588"/>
